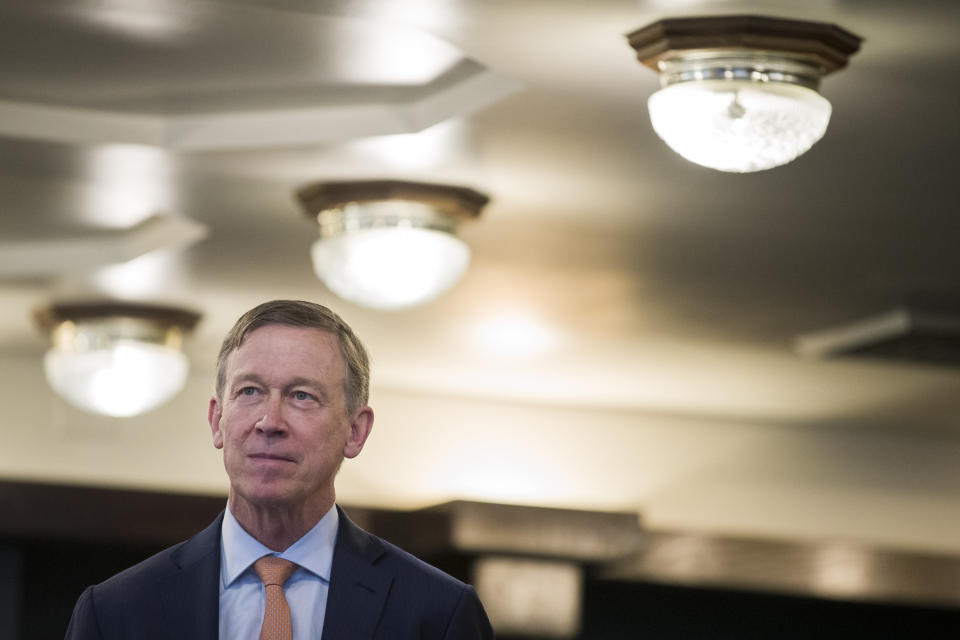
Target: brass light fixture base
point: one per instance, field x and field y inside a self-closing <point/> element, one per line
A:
<point x="825" y="45"/>
<point x="459" y="202"/>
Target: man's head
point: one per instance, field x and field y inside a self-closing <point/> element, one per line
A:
<point x="290" y="406"/>
<point x="306" y="315"/>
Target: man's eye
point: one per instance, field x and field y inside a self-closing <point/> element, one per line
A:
<point x="248" y="391"/>
<point x="302" y="395"/>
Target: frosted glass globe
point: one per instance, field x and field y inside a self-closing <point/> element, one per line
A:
<point x="390" y="268"/>
<point x="125" y="379"/>
<point x="739" y="125"/>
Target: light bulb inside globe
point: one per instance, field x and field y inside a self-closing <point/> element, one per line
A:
<point x="124" y="379"/>
<point x="389" y="244"/>
<point x="392" y="267"/>
<point x="739" y="92"/>
<point x="739" y="125"/>
<point x="118" y="359"/>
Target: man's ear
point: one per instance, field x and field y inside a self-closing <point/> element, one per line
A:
<point x="214" y="413"/>
<point x="360" y="428"/>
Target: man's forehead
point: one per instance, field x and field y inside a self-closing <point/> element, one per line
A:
<point x="299" y="341"/>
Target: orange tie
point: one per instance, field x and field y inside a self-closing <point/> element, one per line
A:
<point x="274" y="572"/>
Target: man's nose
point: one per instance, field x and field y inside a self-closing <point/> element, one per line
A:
<point x="273" y="420"/>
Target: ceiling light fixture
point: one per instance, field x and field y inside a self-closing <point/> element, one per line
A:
<point x="739" y="93"/>
<point x="389" y="244"/>
<point x="115" y="358"/>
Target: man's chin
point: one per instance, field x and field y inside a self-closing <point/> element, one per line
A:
<point x="267" y="494"/>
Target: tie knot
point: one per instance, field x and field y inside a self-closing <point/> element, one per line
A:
<point x="274" y="570"/>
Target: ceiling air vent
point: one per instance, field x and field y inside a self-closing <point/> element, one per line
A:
<point x="902" y="335"/>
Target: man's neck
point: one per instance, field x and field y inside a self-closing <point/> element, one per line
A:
<point x="278" y="526"/>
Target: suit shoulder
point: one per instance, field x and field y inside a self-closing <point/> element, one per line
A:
<point x="145" y="572"/>
<point x="405" y="562"/>
<point x="131" y="603"/>
<point x="436" y="604"/>
<point x="144" y="576"/>
<point x="356" y="547"/>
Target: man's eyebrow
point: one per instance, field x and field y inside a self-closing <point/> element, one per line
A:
<point x="307" y="382"/>
<point x="245" y="377"/>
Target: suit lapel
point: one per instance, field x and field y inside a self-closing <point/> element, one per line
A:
<point x="358" y="589"/>
<point x="190" y="593"/>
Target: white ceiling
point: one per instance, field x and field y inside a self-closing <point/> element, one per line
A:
<point x="655" y="291"/>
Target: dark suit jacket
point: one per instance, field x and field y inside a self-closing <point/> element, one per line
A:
<point x="377" y="592"/>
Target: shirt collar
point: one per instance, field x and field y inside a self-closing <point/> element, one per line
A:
<point x="313" y="552"/>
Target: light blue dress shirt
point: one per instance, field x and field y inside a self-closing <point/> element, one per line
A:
<point x="242" y="594"/>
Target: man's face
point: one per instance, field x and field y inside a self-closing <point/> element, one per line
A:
<point x="282" y="421"/>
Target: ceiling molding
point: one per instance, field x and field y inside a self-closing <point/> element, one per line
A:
<point x="69" y="255"/>
<point x="256" y="128"/>
<point x="84" y="126"/>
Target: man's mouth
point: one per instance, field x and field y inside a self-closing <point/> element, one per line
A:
<point x="269" y="456"/>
